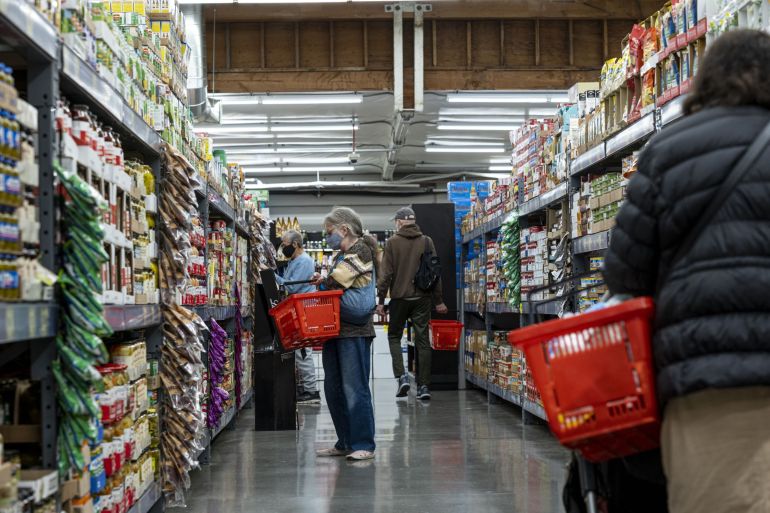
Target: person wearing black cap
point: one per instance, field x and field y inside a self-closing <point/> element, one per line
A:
<point x="400" y="261"/>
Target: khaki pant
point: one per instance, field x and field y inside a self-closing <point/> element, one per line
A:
<point x="716" y="451"/>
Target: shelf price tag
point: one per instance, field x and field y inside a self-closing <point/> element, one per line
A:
<point x="10" y="324"/>
<point x="32" y="326"/>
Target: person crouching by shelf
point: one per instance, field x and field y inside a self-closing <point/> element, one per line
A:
<point x="712" y="320"/>
<point x="301" y="267"/>
<point x="347" y="358"/>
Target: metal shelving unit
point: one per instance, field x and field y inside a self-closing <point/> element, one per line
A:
<point x="225" y="421"/>
<point x="541" y="307"/>
<point x="246" y="398"/>
<point x="149" y="500"/>
<point x="132" y="317"/>
<point x="25" y="28"/>
<point x="603" y="157"/>
<point x="487" y="227"/>
<point x="591" y="243"/>
<point x="27" y="321"/>
<point x="474" y="308"/>
<point x="543" y="201"/>
<point x="213" y="206"/>
<point x="500" y="308"/>
<point x="218" y="204"/>
<point x="507" y="395"/>
<point x="81" y="82"/>
<point x="54" y="69"/>
<point x="218" y="313"/>
<point x="32" y="326"/>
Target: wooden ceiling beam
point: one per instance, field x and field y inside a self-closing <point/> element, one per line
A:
<point x="445" y="9"/>
<point x="372" y="80"/>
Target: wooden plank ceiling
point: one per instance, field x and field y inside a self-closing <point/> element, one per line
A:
<point x="469" y="44"/>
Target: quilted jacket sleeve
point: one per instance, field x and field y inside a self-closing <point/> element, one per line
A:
<point x="631" y="262"/>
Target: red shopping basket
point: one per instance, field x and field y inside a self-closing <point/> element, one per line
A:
<point x="307" y="320"/>
<point x="595" y="374"/>
<point x="445" y="335"/>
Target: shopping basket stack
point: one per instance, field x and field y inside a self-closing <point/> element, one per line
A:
<point x="307" y="320"/>
<point x="596" y="378"/>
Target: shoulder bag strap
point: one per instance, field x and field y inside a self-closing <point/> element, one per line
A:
<point x="746" y="163"/>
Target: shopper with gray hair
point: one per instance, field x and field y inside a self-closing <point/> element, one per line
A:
<point x="300" y="268"/>
<point x="346" y="359"/>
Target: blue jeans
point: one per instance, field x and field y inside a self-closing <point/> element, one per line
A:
<point x="346" y="383"/>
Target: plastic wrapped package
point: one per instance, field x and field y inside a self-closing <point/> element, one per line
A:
<point x="217" y="360"/>
<point x="512" y="259"/>
<point x="80" y="348"/>
<point x="182" y="368"/>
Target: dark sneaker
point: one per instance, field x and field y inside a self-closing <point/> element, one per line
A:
<point x="403" y="386"/>
<point x="423" y="393"/>
<point x="309" y="398"/>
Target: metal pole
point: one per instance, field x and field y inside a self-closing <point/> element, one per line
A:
<point x="419" y="58"/>
<point x="398" y="58"/>
<point x="43" y="92"/>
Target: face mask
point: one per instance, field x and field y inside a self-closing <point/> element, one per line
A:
<point x="288" y="251"/>
<point x="334" y="240"/>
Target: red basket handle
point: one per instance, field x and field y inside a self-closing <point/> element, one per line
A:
<point x="535" y="334"/>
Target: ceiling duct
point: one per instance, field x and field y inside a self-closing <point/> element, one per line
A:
<point x="197" y="80"/>
<point x="398" y="134"/>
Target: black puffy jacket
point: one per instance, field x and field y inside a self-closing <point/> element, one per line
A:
<point x="713" y="311"/>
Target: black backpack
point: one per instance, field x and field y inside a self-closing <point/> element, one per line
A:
<point x="429" y="271"/>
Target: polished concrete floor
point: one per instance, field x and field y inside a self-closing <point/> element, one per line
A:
<point x="457" y="453"/>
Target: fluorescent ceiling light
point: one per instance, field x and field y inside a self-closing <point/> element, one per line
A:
<point x="308" y="169"/>
<point x="243" y="120"/>
<point x="316" y="160"/>
<point x="285" y="143"/>
<point x="329" y="120"/>
<point x="501" y="168"/>
<point x="501" y="160"/>
<point x="312" y="128"/>
<point x="454" y="149"/>
<point x="259" y="169"/>
<point x="227" y="138"/>
<point x="482" y="111"/>
<point x="493" y="128"/>
<point x="292" y="99"/>
<point x="506" y="98"/>
<point x="236" y="129"/>
<point x="239" y="100"/>
<point x="305" y="151"/>
<point x="318" y="168"/>
<point x="289" y="160"/>
<point x="227" y="146"/>
<point x="542" y="112"/>
<point x="463" y="142"/>
<point x="480" y="119"/>
<point x="338" y="138"/>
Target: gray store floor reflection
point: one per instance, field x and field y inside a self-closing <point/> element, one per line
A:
<point x="457" y="454"/>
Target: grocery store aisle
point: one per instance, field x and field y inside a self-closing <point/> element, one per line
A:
<point x="454" y="454"/>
